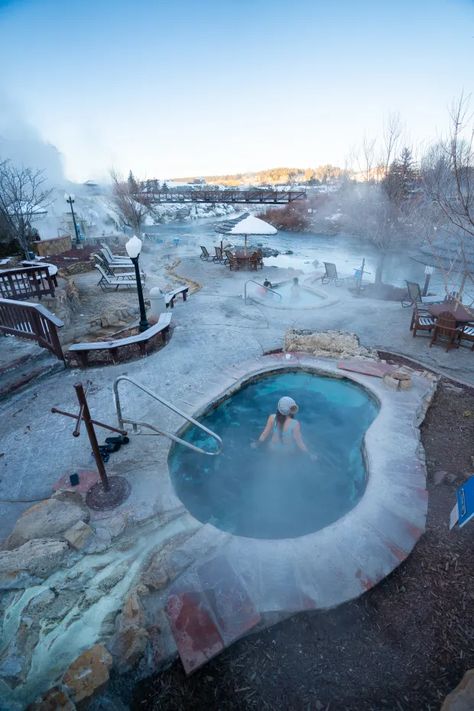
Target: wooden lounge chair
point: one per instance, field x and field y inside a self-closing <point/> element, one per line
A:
<point x="330" y="275"/>
<point x="421" y="320"/>
<point x="445" y="328"/>
<point x="81" y="350"/>
<point x="467" y="333"/>
<point x="414" y="296"/>
<point x="233" y="262"/>
<point x="109" y="282"/>
<point x="204" y="254"/>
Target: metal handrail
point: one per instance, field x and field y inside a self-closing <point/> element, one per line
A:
<point x="268" y="288"/>
<point x="122" y="420"/>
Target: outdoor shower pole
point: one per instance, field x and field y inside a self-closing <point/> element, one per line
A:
<point x="86" y="416"/>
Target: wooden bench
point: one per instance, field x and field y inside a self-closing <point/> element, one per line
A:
<point x="82" y="350"/>
<point x="170" y="296"/>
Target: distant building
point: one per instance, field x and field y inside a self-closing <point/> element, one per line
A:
<point x="92" y="187"/>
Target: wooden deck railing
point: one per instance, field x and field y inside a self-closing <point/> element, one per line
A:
<point x="25" y="282"/>
<point x="31" y="321"/>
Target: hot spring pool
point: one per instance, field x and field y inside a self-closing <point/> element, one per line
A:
<point x="289" y="298"/>
<point x="260" y="494"/>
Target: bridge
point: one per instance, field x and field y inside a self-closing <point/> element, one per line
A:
<point x="228" y="196"/>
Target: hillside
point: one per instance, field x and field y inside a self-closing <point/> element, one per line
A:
<point x="270" y="176"/>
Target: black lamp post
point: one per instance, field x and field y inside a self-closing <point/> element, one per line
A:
<point x="134" y="247"/>
<point x="70" y="199"/>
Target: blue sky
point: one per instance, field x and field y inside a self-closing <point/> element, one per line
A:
<point x="198" y="87"/>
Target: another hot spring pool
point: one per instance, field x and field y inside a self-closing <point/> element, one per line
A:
<point x="262" y="494"/>
<point x="285" y="296"/>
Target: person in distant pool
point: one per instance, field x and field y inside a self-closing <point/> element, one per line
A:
<point x="263" y="290"/>
<point x="284" y="431"/>
<point x="295" y="289"/>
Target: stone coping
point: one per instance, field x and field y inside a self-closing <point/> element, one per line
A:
<point x="340" y="562"/>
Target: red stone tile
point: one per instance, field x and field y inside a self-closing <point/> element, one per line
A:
<point x="228" y="598"/>
<point x="87" y="478"/>
<point x="194" y="629"/>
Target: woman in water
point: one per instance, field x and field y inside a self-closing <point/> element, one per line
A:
<point x="284" y="430"/>
<point x="295" y="289"/>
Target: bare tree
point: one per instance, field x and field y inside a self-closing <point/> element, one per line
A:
<point x="131" y="205"/>
<point x="448" y="179"/>
<point x="392" y="132"/>
<point x="23" y="197"/>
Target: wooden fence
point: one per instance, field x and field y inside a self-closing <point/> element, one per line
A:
<point x="31" y="321"/>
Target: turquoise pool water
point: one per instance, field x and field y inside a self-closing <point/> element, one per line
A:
<point x="262" y="494"/>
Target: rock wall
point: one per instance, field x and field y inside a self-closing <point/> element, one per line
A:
<point x="327" y="344"/>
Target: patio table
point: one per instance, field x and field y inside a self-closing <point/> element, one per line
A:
<point x="461" y="313"/>
<point x="243" y="256"/>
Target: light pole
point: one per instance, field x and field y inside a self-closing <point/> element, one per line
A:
<point x="134" y="247"/>
<point x="70" y="199"/>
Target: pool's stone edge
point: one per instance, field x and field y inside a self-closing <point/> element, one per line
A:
<point x="326" y="568"/>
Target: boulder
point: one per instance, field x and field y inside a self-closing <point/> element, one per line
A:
<point x="332" y="344"/>
<point x="54" y="699"/>
<point x="48" y="519"/>
<point x="130" y="639"/>
<point x="78" y="535"/>
<point x="88" y="673"/>
<point x="35" y="559"/>
<point x="462" y="697"/>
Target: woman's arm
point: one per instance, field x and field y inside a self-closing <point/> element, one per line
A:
<point x="300" y="441"/>
<point x="299" y="438"/>
<point x="266" y="432"/>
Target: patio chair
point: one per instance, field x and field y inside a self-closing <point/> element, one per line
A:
<point x="330" y="275"/>
<point x="219" y="256"/>
<point x="233" y="262"/>
<point x="445" y="328"/>
<point x="256" y="261"/>
<point x="421" y="320"/>
<point x="205" y="254"/>
<point x="414" y="296"/>
<point x="467" y="334"/>
<point x="114" y="257"/>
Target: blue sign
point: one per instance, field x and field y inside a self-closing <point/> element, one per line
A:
<point x="465" y="498"/>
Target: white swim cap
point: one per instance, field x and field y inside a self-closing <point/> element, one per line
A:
<point x="287" y="406"/>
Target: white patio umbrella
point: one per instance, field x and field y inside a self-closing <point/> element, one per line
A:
<point x="246" y="225"/>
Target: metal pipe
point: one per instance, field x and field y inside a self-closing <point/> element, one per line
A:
<point x="92" y="436"/>
<point x="94" y="422"/>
